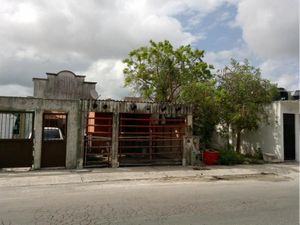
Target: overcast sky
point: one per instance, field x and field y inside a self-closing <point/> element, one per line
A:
<point x="91" y="37"/>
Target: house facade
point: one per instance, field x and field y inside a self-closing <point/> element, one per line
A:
<point x="65" y="126"/>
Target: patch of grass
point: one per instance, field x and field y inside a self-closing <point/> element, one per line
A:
<point x="254" y="158"/>
<point x="230" y="157"/>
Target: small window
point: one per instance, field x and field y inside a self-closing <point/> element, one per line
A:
<point x="16" y="125"/>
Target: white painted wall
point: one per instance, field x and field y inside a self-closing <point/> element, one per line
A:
<point x="269" y="137"/>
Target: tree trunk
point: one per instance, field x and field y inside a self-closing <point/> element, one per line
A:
<point x="238" y="140"/>
<point x="228" y="137"/>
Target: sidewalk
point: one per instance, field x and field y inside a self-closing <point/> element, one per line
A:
<point x="16" y="178"/>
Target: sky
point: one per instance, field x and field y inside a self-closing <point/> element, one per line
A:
<point x="92" y="37"/>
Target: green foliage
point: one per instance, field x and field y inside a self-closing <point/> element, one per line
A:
<point x="230" y="157"/>
<point x="206" y="100"/>
<point x="256" y="154"/>
<point x="159" y="72"/>
<point x="244" y="95"/>
<point x="255" y="157"/>
<point x="237" y="99"/>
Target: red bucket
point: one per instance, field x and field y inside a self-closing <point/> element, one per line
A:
<point x="210" y="157"/>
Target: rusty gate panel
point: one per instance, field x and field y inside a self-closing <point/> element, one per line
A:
<point x="144" y="139"/>
<point x="16" y="139"/>
<point x="98" y="140"/>
<point x="54" y="139"/>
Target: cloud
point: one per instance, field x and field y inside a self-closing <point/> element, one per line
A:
<point x="91" y="37"/>
<point x="93" y="29"/>
<point x="175" y="7"/>
<point x="270" y="27"/>
<point x="15" y="90"/>
<point x="284" y="72"/>
<point x="271" y="35"/>
<point x="49" y="36"/>
<point x="221" y="58"/>
<point x="94" y="36"/>
<point x="22" y="64"/>
<point x="109" y="75"/>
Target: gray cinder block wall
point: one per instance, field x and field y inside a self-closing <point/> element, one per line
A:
<point x="69" y="93"/>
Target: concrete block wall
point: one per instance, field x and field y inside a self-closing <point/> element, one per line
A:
<point x="63" y="85"/>
<point x="39" y="106"/>
<point x="77" y="111"/>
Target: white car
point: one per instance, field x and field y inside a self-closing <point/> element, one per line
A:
<point x="52" y="133"/>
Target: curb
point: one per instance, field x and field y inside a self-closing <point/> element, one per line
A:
<point x="56" y="177"/>
<point x="107" y="178"/>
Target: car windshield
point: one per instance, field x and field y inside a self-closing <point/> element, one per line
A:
<point x="51" y="134"/>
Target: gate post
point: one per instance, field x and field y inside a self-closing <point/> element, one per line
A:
<point x="186" y="159"/>
<point x="38" y="133"/>
<point x="115" y="140"/>
<point x="82" y="114"/>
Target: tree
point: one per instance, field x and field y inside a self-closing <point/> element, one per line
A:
<point x="244" y="96"/>
<point x="206" y="100"/>
<point x="160" y="72"/>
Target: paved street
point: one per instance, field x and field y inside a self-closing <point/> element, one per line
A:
<point x="265" y="200"/>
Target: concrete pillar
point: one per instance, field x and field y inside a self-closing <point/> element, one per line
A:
<point x="81" y="131"/>
<point x="115" y="141"/>
<point x="38" y="135"/>
<point x="188" y="133"/>
<point x="22" y="128"/>
<point x="185" y="150"/>
<point x="72" y="137"/>
<point x="189" y="125"/>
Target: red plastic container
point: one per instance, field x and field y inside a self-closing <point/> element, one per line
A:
<point x="210" y="157"/>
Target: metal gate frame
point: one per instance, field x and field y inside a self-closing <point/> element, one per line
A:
<point x="98" y="140"/>
<point x="144" y="140"/>
<point x="16" y="151"/>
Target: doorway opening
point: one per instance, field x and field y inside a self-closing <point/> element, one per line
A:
<point x="54" y="139"/>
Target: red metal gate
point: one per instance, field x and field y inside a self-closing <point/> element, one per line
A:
<point x="54" y="140"/>
<point x="144" y="139"/>
<point x="16" y="139"/>
<point x="98" y="140"/>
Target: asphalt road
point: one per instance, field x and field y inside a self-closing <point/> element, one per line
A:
<point x="184" y="202"/>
